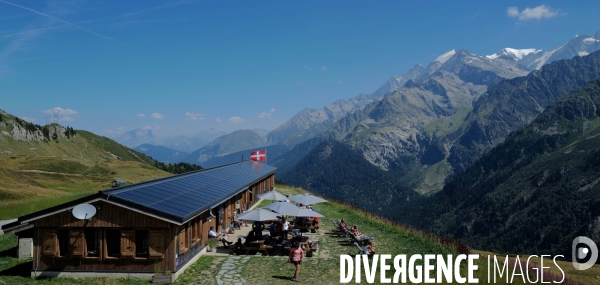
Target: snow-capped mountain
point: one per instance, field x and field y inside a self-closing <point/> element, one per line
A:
<point x="513" y="54"/>
<point x="580" y="45"/>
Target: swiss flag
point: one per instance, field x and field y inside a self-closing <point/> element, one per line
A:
<point x="260" y="155"/>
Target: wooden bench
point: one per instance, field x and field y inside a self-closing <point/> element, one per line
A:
<point x="262" y="247"/>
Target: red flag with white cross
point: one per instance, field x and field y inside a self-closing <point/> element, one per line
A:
<point x="260" y="155"/>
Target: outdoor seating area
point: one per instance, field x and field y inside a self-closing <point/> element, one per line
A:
<point x="276" y="227"/>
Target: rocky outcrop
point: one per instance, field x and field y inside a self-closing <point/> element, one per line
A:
<point x="21" y="134"/>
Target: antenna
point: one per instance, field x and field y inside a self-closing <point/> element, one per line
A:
<point x="56" y="111"/>
<point x="84" y="212"/>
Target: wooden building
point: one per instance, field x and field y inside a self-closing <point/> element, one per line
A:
<point x="141" y="229"/>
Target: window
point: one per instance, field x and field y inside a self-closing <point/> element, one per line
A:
<point x="183" y="240"/>
<point x="76" y="243"/>
<point x="113" y="243"/>
<point x="196" y="226"/>
<point x="63" y="242"/>
<point x="156" y="243"/>
<point x="141" y="244"/>
<point x="92" y="243"/>
<point x="127" y="243"/>
<point x="49" y="245"/>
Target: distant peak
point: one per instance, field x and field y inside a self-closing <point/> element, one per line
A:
<point x="515" y="54"/>
<point x="444" y="57"/>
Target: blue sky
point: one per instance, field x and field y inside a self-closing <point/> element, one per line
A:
<point x="181" y="66"/>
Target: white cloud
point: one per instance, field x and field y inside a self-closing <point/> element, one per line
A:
<point x="193" y="116"/>
<point x="141" y="115"/>
<point x="265" y="115"/>
<point x="67" y="119"/>
<point x="61" y="111"/>
<point x="218" y="120"/>
<point x="323" y="68"/>
<point x="158" y="116"/>
<point x="236" y="120"/>
<point x="307" y="67"/>
<point x="538" y="12"/>
<point x="31" y="120"/>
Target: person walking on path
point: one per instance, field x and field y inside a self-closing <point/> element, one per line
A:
<point x="296" y="257"/>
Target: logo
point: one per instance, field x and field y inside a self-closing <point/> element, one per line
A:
<point x="581" y="253"/>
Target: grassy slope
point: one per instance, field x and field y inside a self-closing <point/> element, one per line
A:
<point x="322" y="269"/>
<point x="39" y="174"/>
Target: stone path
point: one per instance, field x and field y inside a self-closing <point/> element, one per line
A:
<point x="231" y="270"/>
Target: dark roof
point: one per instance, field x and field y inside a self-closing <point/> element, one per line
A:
<point x="181" y="197"/>
<point x="176" y="198"/>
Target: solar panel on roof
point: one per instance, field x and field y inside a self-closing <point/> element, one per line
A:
<point x="186" y="194"/>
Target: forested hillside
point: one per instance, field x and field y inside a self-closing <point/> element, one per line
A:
<point x="512" y="104"/>
<point x="334" y="170"/>
<point x="533" y="193"/>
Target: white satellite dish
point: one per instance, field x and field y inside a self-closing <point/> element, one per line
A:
<point x="84" y="211"/>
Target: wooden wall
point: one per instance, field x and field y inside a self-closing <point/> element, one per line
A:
<point x="107" y="216"/>
<point x="110" y="217"/>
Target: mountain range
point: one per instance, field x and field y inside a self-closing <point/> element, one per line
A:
<point x="161" y="153"/>
<point x="533" y="59"/>
<point x="534" y="192"/>
<point x="417" y="131"/>
<point x="184" y="143"/>
<point x="227" y="144"/>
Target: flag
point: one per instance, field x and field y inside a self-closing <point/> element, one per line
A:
<point x="260" y="155"/>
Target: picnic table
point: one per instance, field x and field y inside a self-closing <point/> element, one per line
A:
<point x="258" y="245"/>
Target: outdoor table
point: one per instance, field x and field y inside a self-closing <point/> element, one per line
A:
<point x="303" y="244"/>
<point x="258" y="245"/>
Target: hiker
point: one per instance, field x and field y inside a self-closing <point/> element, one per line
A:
<point x="296" y="257"/>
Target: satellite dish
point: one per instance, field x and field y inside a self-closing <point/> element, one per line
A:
<point x="84" y="211"/>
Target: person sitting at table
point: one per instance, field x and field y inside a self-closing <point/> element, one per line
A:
<point x="222" y="238"/>
<point x="236" y="246"/>
<point x="252" y="236"/>
<point x="285" y="228"/>
<point x="272" y="230"/>
<point x="371" y="249"/>
<point x="315" y="221"/>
